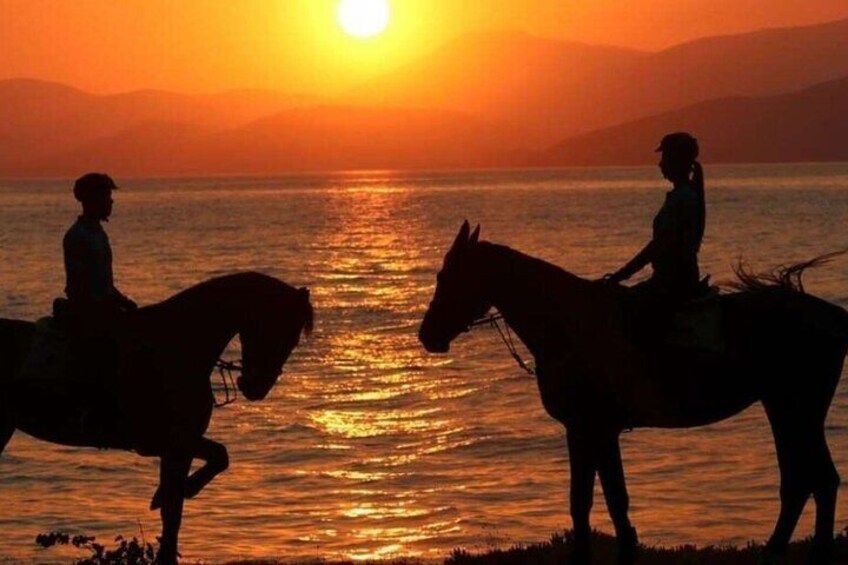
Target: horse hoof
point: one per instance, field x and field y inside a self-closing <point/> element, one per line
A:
<point x="821" y="554"/>
<point x="580" y="556"/>
<point x="628" y="548"/>
<point x="771" y="557"/>
<point x="167" y="556"/>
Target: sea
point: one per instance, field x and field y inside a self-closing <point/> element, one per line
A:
<point x="368" y="447"/>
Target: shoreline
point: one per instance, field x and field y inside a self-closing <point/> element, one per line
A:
<point x="557" y="551"/>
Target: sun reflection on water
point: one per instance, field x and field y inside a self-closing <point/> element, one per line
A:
<point x="379" y="371"/>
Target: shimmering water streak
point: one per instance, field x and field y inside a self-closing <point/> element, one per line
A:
<point x="368" y="447"/>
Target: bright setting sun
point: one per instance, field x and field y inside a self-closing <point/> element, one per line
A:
<point x="364" y="18"/>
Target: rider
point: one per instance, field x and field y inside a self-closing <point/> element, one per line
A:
<point x="94" y="304"/>
<point x="678" y="227"/>
<point x="90" y="285"/>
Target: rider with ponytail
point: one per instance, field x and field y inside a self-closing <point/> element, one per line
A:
<point x="678" y="227"/>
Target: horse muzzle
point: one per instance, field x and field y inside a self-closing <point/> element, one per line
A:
<point x="433" y="345"/>
<point x="250" y="392"/>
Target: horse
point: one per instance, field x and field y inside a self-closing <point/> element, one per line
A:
<point x="783" y="348"/>
<point x="161" y="403"/>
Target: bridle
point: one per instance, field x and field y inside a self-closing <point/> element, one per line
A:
<point x="493" y="320"/>
<point x="225" y="371"/>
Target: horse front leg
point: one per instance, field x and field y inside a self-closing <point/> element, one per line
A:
<point x="611" y="473"/>
<point x="583" y="467"/>
<point x="173" y="471"/>
<point x="217" y="461"/>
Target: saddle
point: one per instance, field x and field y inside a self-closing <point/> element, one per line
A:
<point x="690" y="323"/>
<point x="696" y="324"/>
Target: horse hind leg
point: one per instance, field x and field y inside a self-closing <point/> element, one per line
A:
<point x="825" y="488"/>
<point x="6" y="431"/>
<point x="792" y="439"/>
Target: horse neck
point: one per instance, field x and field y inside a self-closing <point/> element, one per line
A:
<point x="202" y="321"/>
<point x="542" y="303"/>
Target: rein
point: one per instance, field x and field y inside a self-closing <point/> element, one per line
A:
<point x="225" y="371"/>
<point x="493" y="320"/>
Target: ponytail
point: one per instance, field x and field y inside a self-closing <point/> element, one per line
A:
<point x="698" y="185"/>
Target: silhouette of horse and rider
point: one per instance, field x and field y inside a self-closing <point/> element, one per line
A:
<point x="605" y="357"/>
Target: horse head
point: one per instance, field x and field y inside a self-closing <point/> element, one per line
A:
<point x="461" y="295"/>
<point x="269" y="335"/>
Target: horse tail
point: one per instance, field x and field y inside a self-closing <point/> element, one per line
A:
<point x="309" y="312"/>
<point x="788" y="278"/>
<point x="310" y="320"/>
<point x="822" y="317"/>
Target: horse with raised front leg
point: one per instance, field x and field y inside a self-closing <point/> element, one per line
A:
<point x="783" y="348"/>
<point x="163" y="400"/>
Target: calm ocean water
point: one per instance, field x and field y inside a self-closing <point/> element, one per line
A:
<point x="368" y="447"/>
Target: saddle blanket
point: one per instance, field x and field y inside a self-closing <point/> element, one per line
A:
<point x="47" y="360"/>
<point x="698" y="325"/>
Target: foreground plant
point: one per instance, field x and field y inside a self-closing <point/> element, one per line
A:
<point x="125" y="552"/>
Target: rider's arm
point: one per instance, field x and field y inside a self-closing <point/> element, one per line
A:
<point x="639" y="262"/>
<point x="78" y="262"/>
<point x="123" y="301"/>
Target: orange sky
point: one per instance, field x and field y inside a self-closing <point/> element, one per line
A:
<point x="296" y="46"/>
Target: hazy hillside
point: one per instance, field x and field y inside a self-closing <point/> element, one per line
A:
<point x="559" y="88"/>
<point x="313" y="138"/>
<point x="546" y="85"/>
<point x="810" y="125"/>
<point x="41" y="119"/>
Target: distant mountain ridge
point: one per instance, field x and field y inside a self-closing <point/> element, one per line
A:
<point x="302" y="139"/>
<point x="559" y="88"/>
<point x="484" y="100"/>
<point x="810" y="125"/>
<point x="39" y="118"/>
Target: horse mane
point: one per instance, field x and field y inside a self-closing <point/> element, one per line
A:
<point x="539" y="265"/>
<point x="788" y="278"/>
<point x="247" y="280"/>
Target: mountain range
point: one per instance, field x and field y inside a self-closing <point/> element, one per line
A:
<point x="810" y="125"/>
<point x="485" y="100"/>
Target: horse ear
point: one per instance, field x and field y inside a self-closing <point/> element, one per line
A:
<point x="475" y="237"/>
<point x="462" y="236"/>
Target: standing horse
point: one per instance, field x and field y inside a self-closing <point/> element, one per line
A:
<point x="163" y="399"/>
<point x="783" y="348"/>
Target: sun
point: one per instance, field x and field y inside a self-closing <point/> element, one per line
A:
<point x="364" y="18"/>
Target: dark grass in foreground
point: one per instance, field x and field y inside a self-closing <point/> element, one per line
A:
<point x="558" y="550"/>
<point x="555" y="552"/>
